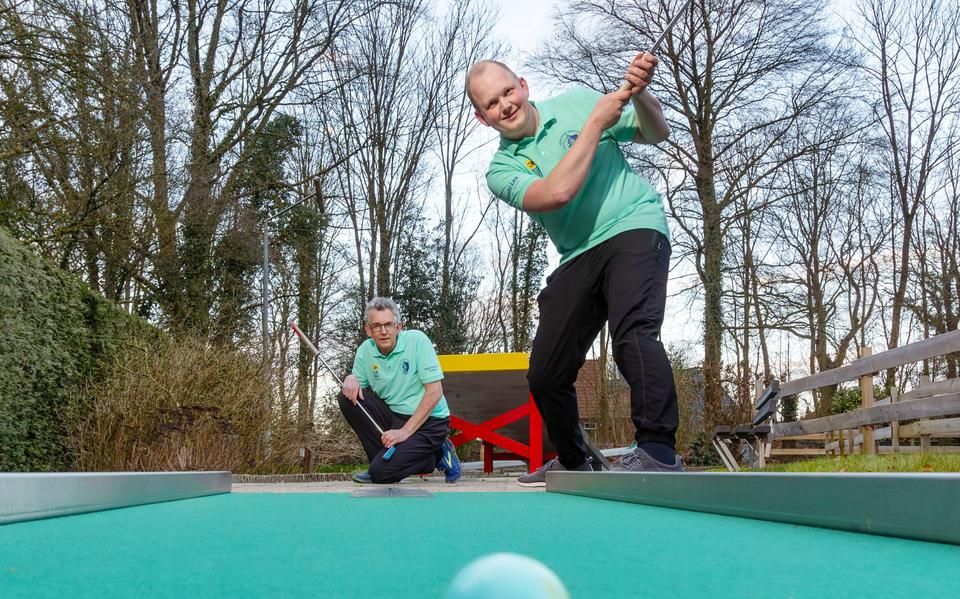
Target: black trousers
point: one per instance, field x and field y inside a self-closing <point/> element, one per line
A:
<point x="416" y="455"/>
<point x="622" y="281"/>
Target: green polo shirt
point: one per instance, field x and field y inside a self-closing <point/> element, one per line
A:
<point x="613" y="199"/>
<point x="398" y="378"/>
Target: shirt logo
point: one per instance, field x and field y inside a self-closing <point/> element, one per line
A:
<point x="405" y="366"/>
<point x="533" y="166"/>
<point x="567" y="139"/>
<point x="509" y="190"/>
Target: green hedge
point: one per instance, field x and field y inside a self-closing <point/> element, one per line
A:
<point x="56" y="336"/>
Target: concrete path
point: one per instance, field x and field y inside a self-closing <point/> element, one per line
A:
<point x="467" y="484"/>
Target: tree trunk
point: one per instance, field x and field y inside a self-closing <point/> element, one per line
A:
<point x="713" y="294"/>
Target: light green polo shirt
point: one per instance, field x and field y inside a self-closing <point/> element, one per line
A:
<point x="613" y="199"/>
<point x="398" y="378"/>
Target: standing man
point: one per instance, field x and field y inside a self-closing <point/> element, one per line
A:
<point x="560" y="162"/>
<point x="397" y="376"/>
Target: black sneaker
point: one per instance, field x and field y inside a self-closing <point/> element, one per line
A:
<point x="538" y="478"/>
<point x="640" y="461"/>
<point x="362" y="477"/>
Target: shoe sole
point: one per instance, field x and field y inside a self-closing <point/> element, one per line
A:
<point x="538" y="484"/>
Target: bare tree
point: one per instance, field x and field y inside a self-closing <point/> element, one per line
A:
<point x="156" y="30"/>
<point x="244" y="60"/>
<point x="836" y="237"/>
<point x="72" y="158"/>
<point x="936" y="284"/>
<point x="519" y="262"/>
<point x="744" y="301"/>
<point x="386" y="103"/>
<point x="466" y="36"/>
<point x="913" y="61"/>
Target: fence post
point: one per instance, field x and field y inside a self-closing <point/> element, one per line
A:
<point x="895" y="425"/>
<point x="761" y="443"/>
<point x="869" y="446"/>
<point x="922" y="380"/>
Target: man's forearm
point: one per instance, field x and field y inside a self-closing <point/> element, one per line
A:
<point x="652" y="126"/>
<point x="567" y="178"/>
<point x="431" y="395"/>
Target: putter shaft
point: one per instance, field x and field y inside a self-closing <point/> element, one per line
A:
<point x="316" y="354"/>
<point x="656" y="45"/>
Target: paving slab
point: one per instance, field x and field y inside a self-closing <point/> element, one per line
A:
<point x="432" y="484"/>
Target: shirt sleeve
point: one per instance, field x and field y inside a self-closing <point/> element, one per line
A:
<point x="509" y="182"/>
<point x="428" y="366"/>
<point x="358" y="370"/>
<point x="625" y="129"/>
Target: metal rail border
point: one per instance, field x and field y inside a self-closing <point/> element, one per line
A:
<point x="914" y="506"/>
<point x="36" y="495"/>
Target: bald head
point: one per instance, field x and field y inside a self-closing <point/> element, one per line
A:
<point x="478" y="69"/>
<point x="501" y="99"/>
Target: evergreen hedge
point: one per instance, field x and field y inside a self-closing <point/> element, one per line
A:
<point x="56" y="336"/>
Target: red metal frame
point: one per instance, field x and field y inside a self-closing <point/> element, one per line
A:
<point x="486" y="432"/>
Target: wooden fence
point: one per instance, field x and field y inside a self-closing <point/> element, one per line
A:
<point x="857" y="429"/>
<point x="921" y="414"/>
<point x="923" y="408"/>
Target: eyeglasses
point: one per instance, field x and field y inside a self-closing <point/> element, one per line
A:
<point x="386" y="326"/>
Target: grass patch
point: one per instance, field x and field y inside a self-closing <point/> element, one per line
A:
<point x="913" y="462"/>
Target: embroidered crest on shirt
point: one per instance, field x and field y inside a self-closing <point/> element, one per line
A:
<point x="567" y="139"/>
<point x="405" y="366"/>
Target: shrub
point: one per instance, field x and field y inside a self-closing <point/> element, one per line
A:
<point x="701" y="452"/>
<point x="689" y="385"/>
<point x="57" y="335"/>
<point x="845" y="399"/>
<point x="335" y="442"/>
<point x="188" y="405"/>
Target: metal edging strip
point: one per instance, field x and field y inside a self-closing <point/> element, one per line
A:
<point x="913" y="506"/>
<point x="32" y="496"/>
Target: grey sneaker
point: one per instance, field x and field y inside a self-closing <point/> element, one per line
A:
<point x="538" y="478"/>
<point x="640" y="461"/>
<point x="362" y="477"/>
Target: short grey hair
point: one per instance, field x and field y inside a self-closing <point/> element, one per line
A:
<point x="381" y="303"/>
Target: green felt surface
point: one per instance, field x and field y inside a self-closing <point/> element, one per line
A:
<point x="326" y="545"/>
